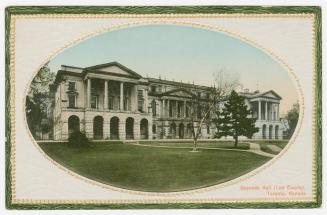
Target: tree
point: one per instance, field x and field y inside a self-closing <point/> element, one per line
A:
<point x="234" y="119"/>
<point x="200" y="108"/>
<point x="292" y="118"/>
<point x="38" y="98"/>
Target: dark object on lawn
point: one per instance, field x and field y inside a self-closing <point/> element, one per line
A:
<point x="78" y="139"/>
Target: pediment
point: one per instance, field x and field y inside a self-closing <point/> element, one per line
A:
<point x="113" y="68"/>
<point x="271" y="94"/>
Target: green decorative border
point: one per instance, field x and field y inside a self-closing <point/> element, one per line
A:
<point x="29" y="10"/>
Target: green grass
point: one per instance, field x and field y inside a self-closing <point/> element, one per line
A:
<point x="216" y="144"/>
<point x="263" y="145"/>
<point x="153" y="169"/>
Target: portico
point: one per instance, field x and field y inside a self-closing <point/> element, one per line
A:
<point x="265" y="107"/>
<point x="111" y="95"/>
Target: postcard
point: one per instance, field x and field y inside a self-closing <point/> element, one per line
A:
<point x="163" y="107"/>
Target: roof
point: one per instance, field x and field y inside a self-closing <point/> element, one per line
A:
<point x="182" y="93"/>
<point x="257" y="94"/>
<point x="176" y="83"/>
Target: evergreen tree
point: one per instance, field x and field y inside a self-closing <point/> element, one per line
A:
<point x="235" y="119"/>
<point x="292" y="118"/>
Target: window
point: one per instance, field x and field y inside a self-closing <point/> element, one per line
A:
<point x="71" y="86"/>
<point x="153" y="89"/>
<point x="140" y="100"/>
<point x="170" y="109"/>
<point x="111" y="103"/>
<point x="126" y="103"/>
<point x="179" y="109"/>
<point x="154" y="129"/>
<point x="71" y="101"/>
<point x="94" y="102"/>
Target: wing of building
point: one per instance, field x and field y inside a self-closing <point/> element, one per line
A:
<point x="111" y="101"/>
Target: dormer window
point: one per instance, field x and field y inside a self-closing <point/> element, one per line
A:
<point x="71" y="86"/>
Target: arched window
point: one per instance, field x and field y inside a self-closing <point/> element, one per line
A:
<point x="114" y="128"/>
<point x="98" y="128"/>
<point x="73" y="124"/>
<point x="264" y="128"/>
<point x="154" y="128"/>
<point x="144" y="129"/>
<point x="129" y="128"/>
<point x="181" y="131"/>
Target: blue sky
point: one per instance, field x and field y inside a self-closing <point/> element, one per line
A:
<point x="182" y="53"/>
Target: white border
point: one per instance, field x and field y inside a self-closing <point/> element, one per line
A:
<point x="5" y="3"/>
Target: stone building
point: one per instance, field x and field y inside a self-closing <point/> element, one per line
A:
<point x="110" y="101"/>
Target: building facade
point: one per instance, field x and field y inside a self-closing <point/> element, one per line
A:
<point x="110" y="101"/>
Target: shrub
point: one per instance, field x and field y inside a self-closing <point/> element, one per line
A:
<point x="78" y="139"/>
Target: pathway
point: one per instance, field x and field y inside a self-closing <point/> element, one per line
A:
<point x="254" y="148"/>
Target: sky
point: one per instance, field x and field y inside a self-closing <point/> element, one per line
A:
<point x="182" y="53"/>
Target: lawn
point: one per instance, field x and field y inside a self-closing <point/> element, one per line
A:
<point x="153" y="169"/>
<point x="263" y="145"/>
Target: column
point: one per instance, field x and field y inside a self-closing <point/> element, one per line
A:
<point x="175" y="110"/>
<point x="184" y="109"/>
<point x="272" y="107"/>
<point x="105" y="100"/>
<point x="163" y="109"/>
<point x="134" y="99"/>
<point x="146" y="102"/>
<point x="259" y="110"/>
<point x="158" y="108"/>
<point x="266" y="111"/>
<point x="88" y="93"/>
<point x="277" y="112"/>
<point x="168" y="108"/>
<point x="121" y="103"/>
